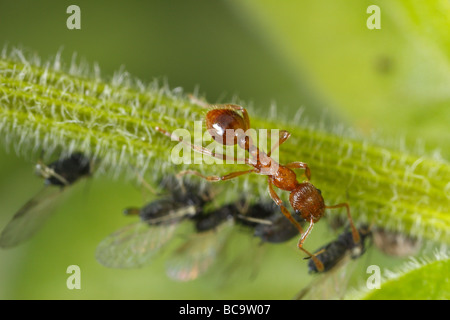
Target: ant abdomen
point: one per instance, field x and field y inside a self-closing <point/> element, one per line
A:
<point x="307" y="201"/>
<point x="218" y="121"/>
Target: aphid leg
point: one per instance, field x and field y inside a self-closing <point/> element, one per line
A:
<point x="284" y="135"/>
<point x="355" y="232"/>
<point x="91" y="166"/>
<point x="257" y="220"/>
<point x="145" y="183"/>
<point x="202" y="150"/>
<point x="316" y="254"/>
<point x="242" y="205"/>
<point x="45" y="172"/>
<point x="216" y="178"/>
<point x="132" y="211"/>
<point x="317" y="262"/>
<point x="300" y="165"/>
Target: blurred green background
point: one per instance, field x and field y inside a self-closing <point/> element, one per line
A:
<point x="318" y="55"/>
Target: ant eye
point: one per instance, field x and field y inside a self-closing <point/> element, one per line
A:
<point x="320" y="192"/>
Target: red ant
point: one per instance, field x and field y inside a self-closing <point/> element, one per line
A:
<point x="305" y="199"/>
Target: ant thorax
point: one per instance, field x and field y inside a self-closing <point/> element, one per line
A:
<point x="285" y="179"/>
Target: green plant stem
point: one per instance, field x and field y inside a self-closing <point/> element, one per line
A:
<point x="43" y="107"/>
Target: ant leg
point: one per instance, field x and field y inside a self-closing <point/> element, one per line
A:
<point x="284" y="135"/>
<point x="305" y="234"/>
<point x="284" y="210"/>
<point x="216" y="178"/>
<point x="300" y="165"/>
<point x="317" y="262"/>
<point x="355" y="232"/>
<point x="202" y="150"/>
<point x="287" y="214"/>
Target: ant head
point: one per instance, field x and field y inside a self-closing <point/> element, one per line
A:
<point x="225" y="125"/>
<point x="307" y="201"/>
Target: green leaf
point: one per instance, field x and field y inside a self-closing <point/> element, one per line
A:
<point x="416" y="280"/>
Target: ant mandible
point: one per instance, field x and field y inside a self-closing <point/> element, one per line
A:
<point x="228" y="127"/>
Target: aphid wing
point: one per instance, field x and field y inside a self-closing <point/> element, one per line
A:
<point x="198" y="253"/>
<point x="331" y="285"/>
<point x="135" y="245"/>
<point x="31" y="217"/>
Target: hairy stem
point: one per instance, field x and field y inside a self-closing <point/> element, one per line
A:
<point x="45" y="106"/>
